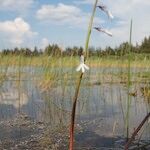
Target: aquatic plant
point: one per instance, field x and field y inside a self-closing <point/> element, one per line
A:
<point x="136" y="131"/>
<point x="82" y="67"/>
<point x="129" y="83"/>
<point x="73" y="113"/>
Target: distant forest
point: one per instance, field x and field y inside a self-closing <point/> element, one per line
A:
<point x="55" y="50"/>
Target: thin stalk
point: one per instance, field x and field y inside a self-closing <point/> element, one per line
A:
<point x="80" y="79"/>
<point x="129" y="83"/>
<point x="90" y="30"/>
<point x="19" y="90"/>
<point x="136" y="131"/>
<point x="19" y="84"/>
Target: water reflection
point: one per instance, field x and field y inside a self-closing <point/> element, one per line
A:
<point x="14" y="98"/>
<point x="100" y="107"/>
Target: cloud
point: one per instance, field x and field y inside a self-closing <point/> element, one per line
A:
<point x="15" y="5"/>
<point x="64" y="14"/>
<point x="15" y="32"/>
<point x="44" y="43"/>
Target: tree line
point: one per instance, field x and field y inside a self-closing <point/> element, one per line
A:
<point x="55" y="50"/>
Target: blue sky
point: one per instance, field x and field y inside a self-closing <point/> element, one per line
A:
<point x="26" y="23"/>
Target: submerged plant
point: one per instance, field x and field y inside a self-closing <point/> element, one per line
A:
<point x="81" y="67"/>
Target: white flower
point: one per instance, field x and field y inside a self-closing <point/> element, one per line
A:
<point x="104" y="8"/>
<point x="82" y="66"/>
<point x="103" y="30"/>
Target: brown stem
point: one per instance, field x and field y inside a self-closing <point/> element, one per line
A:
<point x="74" y="112"/>
<point x="136" y="131"/>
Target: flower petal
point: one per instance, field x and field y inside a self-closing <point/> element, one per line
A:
<point x="83" y="70"/>
<point x="86" y="67"/>
<point x="79" y="67"/>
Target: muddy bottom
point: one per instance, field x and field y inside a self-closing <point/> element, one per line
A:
<point x="22" y="133"/>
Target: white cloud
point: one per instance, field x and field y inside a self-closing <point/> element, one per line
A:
<point x="15" y="32"/>
<point x="64" y="14"/>
<point x="15" y="5"/>
<point x="44" y="43"/>
<point x="59" y="12"/>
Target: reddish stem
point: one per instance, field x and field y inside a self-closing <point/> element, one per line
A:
<point x="136" y="131"/>
<point x="73" y="113"/>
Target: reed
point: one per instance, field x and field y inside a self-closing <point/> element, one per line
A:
<point x="136" y="131"/>
<point x="129" y="83"/>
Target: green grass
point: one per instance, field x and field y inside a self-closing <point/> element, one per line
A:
<point x="139" y="61"/>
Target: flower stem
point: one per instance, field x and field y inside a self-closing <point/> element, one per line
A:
<point x="89" y="30"/>
<point x="73" y="113"/>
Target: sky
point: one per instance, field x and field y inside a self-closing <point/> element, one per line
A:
<point x="29" y="23"/>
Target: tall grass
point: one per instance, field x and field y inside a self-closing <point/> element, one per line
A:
<point x="129" y="83"/>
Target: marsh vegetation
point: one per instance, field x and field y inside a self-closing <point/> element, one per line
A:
<point x="42" y="87"/>
<point x="42" y="96"/>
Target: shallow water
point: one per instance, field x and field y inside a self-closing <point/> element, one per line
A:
<point x="101" y="108"/>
